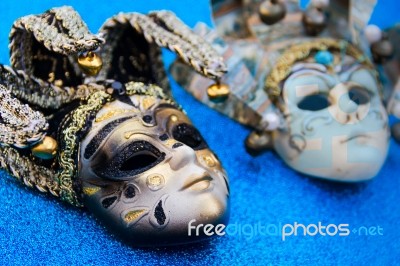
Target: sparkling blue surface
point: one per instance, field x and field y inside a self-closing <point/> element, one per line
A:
<point x="36" y="229"/>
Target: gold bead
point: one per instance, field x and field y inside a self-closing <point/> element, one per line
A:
<point x="90" y="63"/>
<point x="271" y="12"/>
<point x="46" y="149"/>
<point x="218" y="92"/>
<point x="314" y="21"/>
<point x="382" y="51"/>
<point x="257" y="142"/>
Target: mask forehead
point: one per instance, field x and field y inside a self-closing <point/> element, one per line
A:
<point x="311" y="78"/>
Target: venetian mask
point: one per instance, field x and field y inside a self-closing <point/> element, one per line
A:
<point x="90" y="119"/>
<point x="147" y="172"/>
<point x="303" y="81"/>
<point x="336" y="124"/>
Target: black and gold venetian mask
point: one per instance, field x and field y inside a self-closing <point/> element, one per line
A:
<point x="89" y="118"/>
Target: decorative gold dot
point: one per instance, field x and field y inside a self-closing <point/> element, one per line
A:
<point x="174" y="118"/>
<point x="209" y="161"/>
<point x="155" y="182"/>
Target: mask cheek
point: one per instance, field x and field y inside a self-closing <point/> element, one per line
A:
<point x="289" y="147"/>
<point x="118" y="206"/>
<point x="302" y="129"/>
<point x="182" y="157"/>
<point x="102" y="203"/>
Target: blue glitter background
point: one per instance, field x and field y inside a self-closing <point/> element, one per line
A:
<point x="36" y="229"/>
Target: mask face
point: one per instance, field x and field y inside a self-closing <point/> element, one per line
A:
<point x="146" y="172"/>
<point x="337" y="126"/>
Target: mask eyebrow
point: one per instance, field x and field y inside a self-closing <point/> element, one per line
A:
<point x="95" y="142"/>
<point x="364" y="82"/>
<point x="166" y="105"/>
<point x="314" y="74"/>
<point x="308" y="66"/>
<point x="350" y="68"/>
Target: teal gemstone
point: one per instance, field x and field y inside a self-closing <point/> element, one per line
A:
<point x="324" y="58"/>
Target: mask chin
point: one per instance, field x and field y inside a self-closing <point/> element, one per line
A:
<point x="341" y="162"/>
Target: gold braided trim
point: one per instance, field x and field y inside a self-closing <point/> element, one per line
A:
<point x="67" y="157"/>
<point x="26" y="171"/>
<point x="139" y="88"/>
<point x="302" y="51"/>
<point x="78" y="120"/>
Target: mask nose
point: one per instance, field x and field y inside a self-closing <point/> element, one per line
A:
<point x="182" y="156"/>
<point x="350" y="102"/>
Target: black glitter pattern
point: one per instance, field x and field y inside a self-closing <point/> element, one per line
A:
<point x="94" y="144"/>
<point x="177" y="145"/>
<point x="164" y="137"/>
<point x="130" y="192"/>
<point x="159" y="213"/>
<point x="107" y="202"/>
<point x="190" y="136"/>
<point x="135" y="158"/>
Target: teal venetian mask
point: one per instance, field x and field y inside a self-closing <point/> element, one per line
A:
<point x="302" y="80"/>
<point x="336" y="126"/>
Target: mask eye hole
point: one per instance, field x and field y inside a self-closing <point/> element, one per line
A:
<point x="359" y="95"/>
<point x="189" y="136"/>
<point x="135" y="158"/>
<point x="314" y="102"/>
<point x="138" y="161"/>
